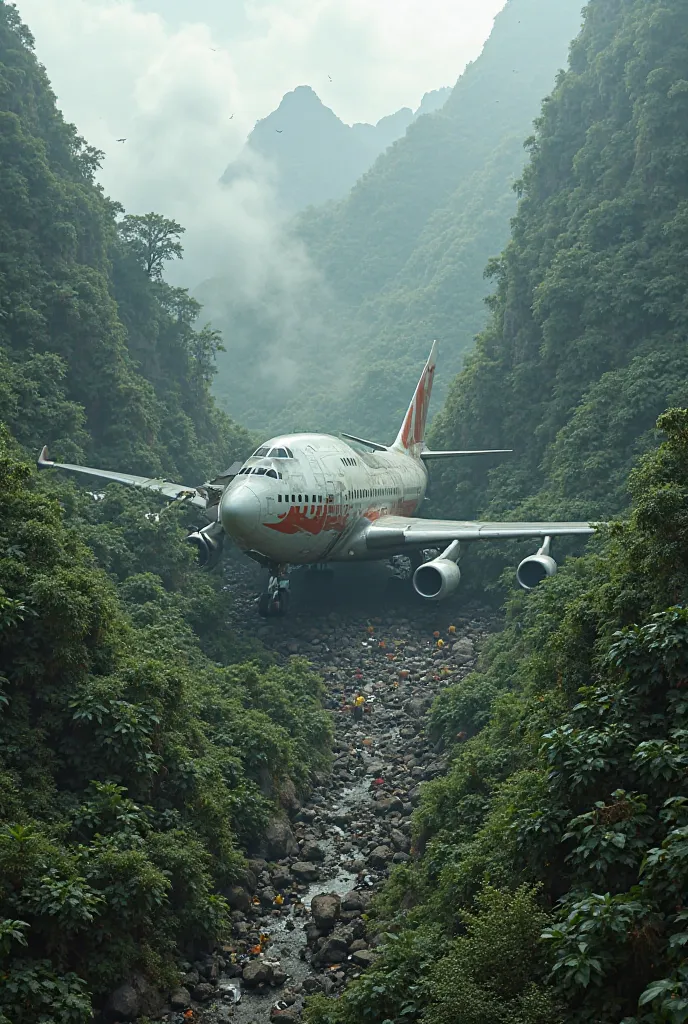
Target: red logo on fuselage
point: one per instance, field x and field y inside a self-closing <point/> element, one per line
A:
<point x="313" y="519"/>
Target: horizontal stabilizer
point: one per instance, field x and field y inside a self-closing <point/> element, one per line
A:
<point x="455" y="455"/>
<point x="361" y="440"/>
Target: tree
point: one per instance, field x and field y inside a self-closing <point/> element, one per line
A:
<point x="154" y="240"/>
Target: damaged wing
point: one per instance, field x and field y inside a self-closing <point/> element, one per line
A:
<point x="397" y="532"/>
<point x="176" y="492"/>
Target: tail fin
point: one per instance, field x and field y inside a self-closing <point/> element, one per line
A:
<point x="412" y="433"/>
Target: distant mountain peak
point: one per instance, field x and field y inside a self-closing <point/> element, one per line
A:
<point x="315" y="155"/>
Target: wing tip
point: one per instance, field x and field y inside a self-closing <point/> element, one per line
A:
<point x="43" y="461"/>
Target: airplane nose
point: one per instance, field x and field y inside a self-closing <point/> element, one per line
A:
<point x="240" y="511"/>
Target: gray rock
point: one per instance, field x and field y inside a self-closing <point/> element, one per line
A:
<point x="180" y="999"/>
<point x="282" y="879"/>
<point x="357" y="945"/>
<point x="256" y="972"/>
<point x="325" y="909"/>
<point x="279" y="841"/>
<point x="204" y="992"/>
<point x="312" y="852"/>
<point x="305" y="871"/>
<point x="238" y="898"/>
<point x="353" y="901"/>
<point x="133" y="998"/>
<point x="124" y="1004"/>
<point x="288" y="1015"/>
<point x="333" y="951"/>
<point x="363" y="957"/>
<point x="381" y="856"/>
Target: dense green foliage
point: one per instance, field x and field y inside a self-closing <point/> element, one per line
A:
<point x="400" y="261"/>
<point x="142" y="745"/>
<point x="553" y="864"/>
<point x="133" y="763"/>
<point x="587" y="341"/>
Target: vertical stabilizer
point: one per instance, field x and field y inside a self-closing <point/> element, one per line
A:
<point x="412" y="433"/>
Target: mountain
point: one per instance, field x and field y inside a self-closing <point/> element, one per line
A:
<point x="549" y="869"/>
<point x="400" y="260"/>
<point x="310" y="155"/>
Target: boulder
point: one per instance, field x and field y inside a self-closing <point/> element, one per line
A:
<point x="353" y="901"/>
<point x="282" y="879"/>
<point x="305" y="871"/>
<point x="133" y="998"/>
<point x="180" y="999"/>
<point x="278" y="841"/>
<point x="363" y="957"/>
<point x="238" y="898"/>
<point x="381" y="856"/>
<point x="312" y="852"/>
<point x="204" y="992"/>
<point x="325" y="909"/>
<point x="333" y="951"/>
<point x="123" y="1004"/>
<point x="288" y="798"/>
<point x="288" y="1015"/>
<point x="256" y="972"/>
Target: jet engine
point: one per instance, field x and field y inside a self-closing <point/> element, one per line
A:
<point x="208" y="543"/>
<point x="439" y="578"/>
<point x="537" y="567"/>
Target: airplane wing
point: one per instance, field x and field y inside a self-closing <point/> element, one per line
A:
<point x="397" y="532"/>
<point x="177" y="492"/>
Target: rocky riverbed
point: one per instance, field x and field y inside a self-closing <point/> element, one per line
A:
<point x="299" y="915"/>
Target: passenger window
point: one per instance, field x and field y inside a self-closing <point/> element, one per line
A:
<point x="300" y="497"/>
<point x="293" y="499"/>
<point x="279" y="498"/>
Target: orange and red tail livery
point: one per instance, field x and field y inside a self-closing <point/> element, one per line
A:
<point x="412" y="433"/>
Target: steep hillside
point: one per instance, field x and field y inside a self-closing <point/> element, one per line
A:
<point x="132" y="746"/>
<point x="587" y="340"/>
<point x="310" y="155"/>
<point x="97" y="354"/>
<point x="400" y="260"/>
<point x="549" y="880"/>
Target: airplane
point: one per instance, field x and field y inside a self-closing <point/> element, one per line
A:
<point x="312" y="499"/>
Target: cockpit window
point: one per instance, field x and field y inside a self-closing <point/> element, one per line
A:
<point x="272" y="473"/>
<point x="280" y="453"/>
<point x="261" y="471"/>
<point x="260" y="453"/>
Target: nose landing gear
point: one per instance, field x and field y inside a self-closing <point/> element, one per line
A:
<point x="275" y="600"/>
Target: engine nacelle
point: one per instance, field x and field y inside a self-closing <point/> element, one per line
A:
<point x="537" y="567"/>
<point x="437" y="579"/>
<point x="208" y="544"/>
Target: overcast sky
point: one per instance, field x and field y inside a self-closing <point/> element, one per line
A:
<point x="185" y="80"/>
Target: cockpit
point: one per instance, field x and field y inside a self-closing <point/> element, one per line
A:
<point x="273" y="453"/>
<point x="263" y="469"/>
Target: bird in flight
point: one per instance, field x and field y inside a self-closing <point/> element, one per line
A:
<point x="231" y="116"/>
<point x="279" y="130"/>
<point x="330" y="77"/>
<point x="121" y="140"/>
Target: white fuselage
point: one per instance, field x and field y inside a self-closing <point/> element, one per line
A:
<point x="305" y="498"/>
